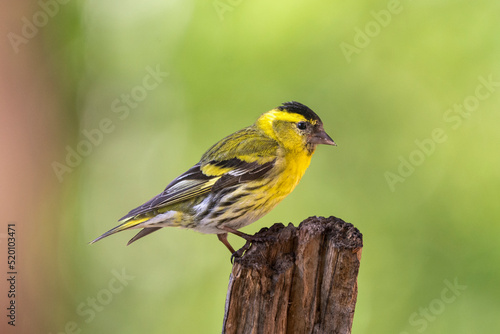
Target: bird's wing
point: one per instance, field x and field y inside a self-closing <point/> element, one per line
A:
<point x="190" y="184"/>
<point x="249" y="145"/>
<point x="241" y="157"/>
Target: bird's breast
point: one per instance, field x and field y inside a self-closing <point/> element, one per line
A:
<point x="293" y="167"/>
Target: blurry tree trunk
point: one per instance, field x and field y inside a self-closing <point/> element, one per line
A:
<point x="297" y="280"/>
<point x="31" y="138"/>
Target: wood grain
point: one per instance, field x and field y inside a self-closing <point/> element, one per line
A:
<point x="296" y="280"/>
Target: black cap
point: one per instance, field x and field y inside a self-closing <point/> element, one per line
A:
<point x="299" y="108"/>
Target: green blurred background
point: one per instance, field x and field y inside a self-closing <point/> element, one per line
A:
<point x="383" y="76"/>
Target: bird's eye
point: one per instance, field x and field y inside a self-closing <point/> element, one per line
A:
<point x="302" y="125"/>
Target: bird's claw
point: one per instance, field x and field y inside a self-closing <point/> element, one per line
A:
<point x="239" y="253"/>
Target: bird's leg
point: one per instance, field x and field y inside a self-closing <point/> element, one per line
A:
<point x="234" y="254"/>
<point x="223" y="238"/>
<point x="245" y="236"/>
<point x="249" y="238"/>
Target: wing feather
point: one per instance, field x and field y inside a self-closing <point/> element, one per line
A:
<point x="190" y="184"/>
<point x="244" y="156"/>
<point x="245" y="172"/>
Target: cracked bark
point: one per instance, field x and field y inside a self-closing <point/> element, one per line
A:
<point x="298" y="280"/>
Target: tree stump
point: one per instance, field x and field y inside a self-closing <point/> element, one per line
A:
<point x="297" y="280"/>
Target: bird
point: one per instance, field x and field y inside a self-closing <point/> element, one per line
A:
<point x="237" y="181"/>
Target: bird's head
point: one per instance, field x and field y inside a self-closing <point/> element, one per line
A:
<point x="295" y="127"/>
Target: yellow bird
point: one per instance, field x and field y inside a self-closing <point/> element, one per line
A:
<point x="238" y="180"/>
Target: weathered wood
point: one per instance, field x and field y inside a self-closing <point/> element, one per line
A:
<point x="297" y="280"/>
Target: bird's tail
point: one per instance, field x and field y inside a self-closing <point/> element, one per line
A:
<point x="124" y="226"/>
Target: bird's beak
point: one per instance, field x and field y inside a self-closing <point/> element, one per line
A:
<point x="321" y="137"/>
